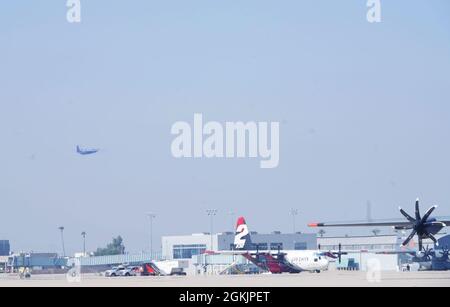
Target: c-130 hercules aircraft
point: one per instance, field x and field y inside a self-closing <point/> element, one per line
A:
<point x="424" y="227"/>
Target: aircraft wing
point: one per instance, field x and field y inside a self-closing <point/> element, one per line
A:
<point x="377" y="223"/>
<point x="240" y="252"/>
<point x="405" y="252"/>
<point x="364" y="224"/>
<point x="444" y="219"/>
<point x="236" y="252"/>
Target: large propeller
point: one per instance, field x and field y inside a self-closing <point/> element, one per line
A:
<point x="340" y="253"/>
<point x="335" y="255"/>
<point x="427" y="254"/>
<point x="443" y="253"/>
<point x="423" y="227"/>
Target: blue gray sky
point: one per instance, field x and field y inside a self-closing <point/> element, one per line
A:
<point x="364" y="112"/>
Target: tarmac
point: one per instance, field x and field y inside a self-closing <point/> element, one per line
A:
<point x="324" y="279"/>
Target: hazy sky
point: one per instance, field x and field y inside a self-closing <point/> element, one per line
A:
<point x="364" y="111"/>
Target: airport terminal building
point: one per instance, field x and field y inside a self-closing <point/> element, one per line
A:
<point x="187" y="246"/>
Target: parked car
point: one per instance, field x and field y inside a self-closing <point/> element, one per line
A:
<point x="115" y="271"/>
<point x="178" y="272"/>
<point x="130" y="271"/>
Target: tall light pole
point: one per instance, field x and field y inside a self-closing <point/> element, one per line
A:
<point x="151" y="216"/>
<point x="61" y="229"/>
<point x="294" y="213"/>
<point x="83" y="234"/>
<point x="212" y="213"/>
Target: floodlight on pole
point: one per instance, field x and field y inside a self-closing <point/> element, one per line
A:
<point x="61" y="229"/>
<point x="211" y="213"/>
<point x="151" y="216"/>
<point x="83" y="234"/>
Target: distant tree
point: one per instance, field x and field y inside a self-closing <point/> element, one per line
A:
<point x="116" y="247"/>
<point x="322" y="233"/>
<point x="376" y="232"/>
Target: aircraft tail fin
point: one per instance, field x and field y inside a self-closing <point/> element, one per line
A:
<point x="242" y="239"/>
<point x="78" y="149"/>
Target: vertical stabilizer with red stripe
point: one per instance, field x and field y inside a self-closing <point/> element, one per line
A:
<point x="242" y="240"/>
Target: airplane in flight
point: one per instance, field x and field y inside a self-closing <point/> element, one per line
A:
<point x="281" y="261"/>
<point x="424" y="226"/>
<point x="85" y="152"/>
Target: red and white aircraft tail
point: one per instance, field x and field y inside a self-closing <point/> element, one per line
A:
<point x="242" y="239"/>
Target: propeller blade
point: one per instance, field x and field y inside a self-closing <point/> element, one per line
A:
<point x="433" y="239"/>
<point x="420" y="243"/>
<point x="408" y="217"/>
<point x="428" y="253"/>
<point x="418" y="218"/>
<point x="427" y="215"/>
<point x="411" y="236"/>
<point x="407" y="227"/>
